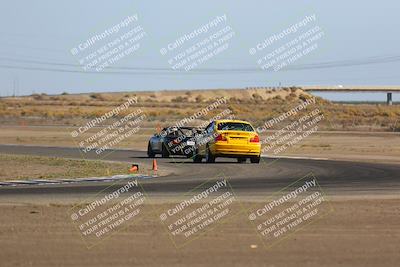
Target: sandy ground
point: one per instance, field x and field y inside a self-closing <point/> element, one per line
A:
<point x="356" y="233"/>
<point x="353" y="146"/>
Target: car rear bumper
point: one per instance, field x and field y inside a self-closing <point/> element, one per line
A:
<point x="182" y="150"/>
<point x="219" y="149"/>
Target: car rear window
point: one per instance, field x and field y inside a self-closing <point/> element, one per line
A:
<point x="235" y="126"/>
<point x="173" y="134"/>
<point x="187" y="132"/>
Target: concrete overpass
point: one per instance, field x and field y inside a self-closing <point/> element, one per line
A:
<point x="389" y="90"/>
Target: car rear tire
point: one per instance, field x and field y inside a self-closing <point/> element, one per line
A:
<point x="210" y="158"/>
<point x="164" y="152"/>
<point x="150" y="152"/>
<point x="241" y="160"/>
<point x="197" y="159"/>
<point x="255" y="160"/>
<point x="190" y="155"/>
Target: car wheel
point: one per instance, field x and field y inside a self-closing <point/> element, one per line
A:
<point x="255" y="159"/>
<point x="164" y="152"/>
<point x="190" y="155"/>
<point x="197" y="158"/>
<point x="210" y="158"/>
<point x="241" y="160"/>
<point x="150" y="152"/>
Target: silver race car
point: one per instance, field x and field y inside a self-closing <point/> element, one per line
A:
<point x="174" y="141"/>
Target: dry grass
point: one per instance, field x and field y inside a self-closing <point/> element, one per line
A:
<point x="34" y="167"/>
<point x="165" y="107"/>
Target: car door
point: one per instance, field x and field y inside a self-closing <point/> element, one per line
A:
<point x="207" y="137"/>
<point x="154" y="142"/>
<point x="211" y="134"/>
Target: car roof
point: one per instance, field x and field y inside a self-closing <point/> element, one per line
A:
<point x="177" y="128"/>
<point x="188" y="127"/>
<point x="239" y="121"/>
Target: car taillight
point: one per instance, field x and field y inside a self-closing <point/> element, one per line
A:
<point x="220" y="137"/>
<point x="255" y="139"/>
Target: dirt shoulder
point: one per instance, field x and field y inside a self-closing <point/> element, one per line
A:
<point x="356" y="233"/>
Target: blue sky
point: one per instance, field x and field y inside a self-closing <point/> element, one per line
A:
<point x="45" y="31"/>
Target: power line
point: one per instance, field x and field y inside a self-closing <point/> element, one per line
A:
<point x="168" y="71"/>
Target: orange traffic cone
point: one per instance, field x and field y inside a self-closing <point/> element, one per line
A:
<point x="155" y="165"/>
<point x="134" y="168"/>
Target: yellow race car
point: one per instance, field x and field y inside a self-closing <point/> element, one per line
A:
<point x="229" y="139"/>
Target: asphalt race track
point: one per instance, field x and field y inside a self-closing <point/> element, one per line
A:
<point x="334" y="177"/>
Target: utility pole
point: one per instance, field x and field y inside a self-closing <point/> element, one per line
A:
<point x="15" y="87"/>
<point x="13" y="94"/>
